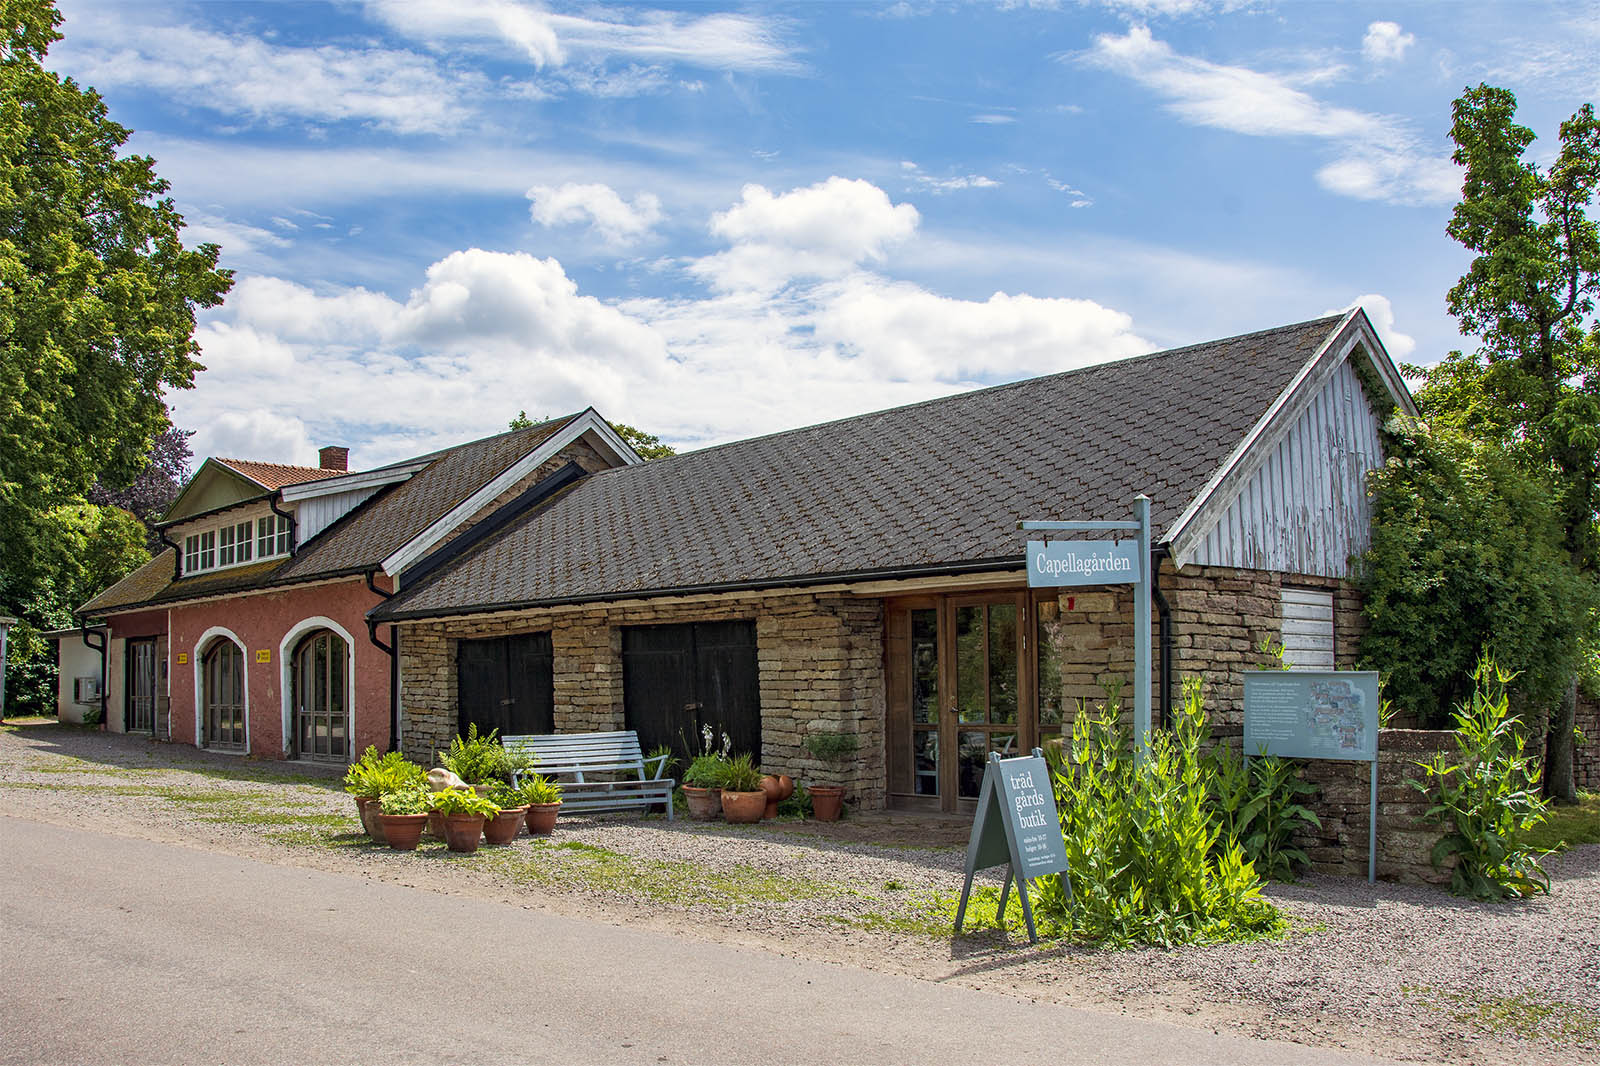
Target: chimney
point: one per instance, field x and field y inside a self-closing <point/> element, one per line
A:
<point x="333" y="457"/>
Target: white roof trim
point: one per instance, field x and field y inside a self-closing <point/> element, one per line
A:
<point x="366" y="479"/>
<point x="589" y="423"/>
<point x="1355" y="330"/>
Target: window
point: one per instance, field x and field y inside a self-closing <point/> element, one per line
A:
<point x="225" y="546"/>
<point x="272" y="536"/>
<point x="1307" y="629"/>
<point x="242" y="535"/>
<point x="200" y="551"/>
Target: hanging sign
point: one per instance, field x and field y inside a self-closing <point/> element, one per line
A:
<point x="1016" y="826"/>
<point x="1317" y="714"/>
<point x="1083" y="562"/>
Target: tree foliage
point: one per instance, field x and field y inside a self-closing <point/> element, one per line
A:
<point x="1467" y="559"/>
<point x="156" y="486"/>
<point x="647" y="445"/>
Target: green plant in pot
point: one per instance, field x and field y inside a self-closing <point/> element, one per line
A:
<point x="479" y="760"/>
<point x="702" y="786"/>
<point x="826" y="746"/>
<point x="373" y="775"/>
<point x="743" y="798"/>
<point x="404" y="814"/>
<point x="504" y="827"/>
<point x="464" y="814"/>
<point x="542" y="795"/>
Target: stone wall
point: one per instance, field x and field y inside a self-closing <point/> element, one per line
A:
<point x="1586" y="753"/>
<point x="1343" y="802"/>
<point x="819" y="657"/>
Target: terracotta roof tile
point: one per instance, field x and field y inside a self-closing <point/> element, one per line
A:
<point x="278" y="475"/>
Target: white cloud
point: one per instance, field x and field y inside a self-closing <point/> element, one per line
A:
<point x="992" y="119"/>
<point x="616" y="221"/>
<point x="1385" y="42"/>
<point x="236" y="238"/>
<point x="954" y="183"/>
<point x="248" y="77"/>
<point x="721" y="41"/>
<point x="1381" y="312"/>
<point x="1380" y="157"/>
<point x="823" y="230"/>
<point x="486" y="334"/>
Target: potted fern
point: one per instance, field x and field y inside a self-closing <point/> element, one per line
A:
<point x="543" y="797"/>
<point x="464" y="813"/>
<point x="743" y="798"/>
<point x="827" y="746"/>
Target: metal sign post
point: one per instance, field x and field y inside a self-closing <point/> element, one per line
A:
<point x="1106" y="562"/>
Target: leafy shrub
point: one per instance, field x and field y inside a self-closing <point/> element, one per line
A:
<point x="1144" y="859"/>
<point x="831" y="747"/>
<point x="31" y="687"/>
<point x="743" y="775"/>
<point x="374" y="775"/>
<point x="1487" y="796"/>
<point x="1257" y="806"/>
<point x="451" y="801"/>
<point x="412" y="799"/>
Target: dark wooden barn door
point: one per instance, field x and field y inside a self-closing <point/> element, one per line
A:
<point x="506" y="683"/>
<point x="677" y="679"/>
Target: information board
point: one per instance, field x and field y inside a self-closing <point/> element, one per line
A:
<point x="1016" y="825"/>
<point x="1083" y="562"/>
<point x="1311" y="714"/>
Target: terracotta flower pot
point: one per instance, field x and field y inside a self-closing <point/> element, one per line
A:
<point x="504" y="827"/>
<point x="370" y="813"/>
<point x="743" y="807"/>
<point x="705" y="804"/>
<point x="403" y="831"/>
<point x="435" y="825"/>
<point x="461" y="831"/>
<point x="542" y="818"/>
<point x="826" y="802"/>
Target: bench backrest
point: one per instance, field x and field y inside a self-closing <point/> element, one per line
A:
<point x="586" y="752"/>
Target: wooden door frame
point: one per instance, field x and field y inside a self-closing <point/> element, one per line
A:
<point x="127" y="684"/>
<point x="898" y="678"/>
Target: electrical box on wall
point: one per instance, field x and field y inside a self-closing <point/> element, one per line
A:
<point x="86" y="689"/>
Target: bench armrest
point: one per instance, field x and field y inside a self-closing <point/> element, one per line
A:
<point x="660" y="769"/>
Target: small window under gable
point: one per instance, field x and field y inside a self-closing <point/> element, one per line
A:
<point x="1307" y="629"/>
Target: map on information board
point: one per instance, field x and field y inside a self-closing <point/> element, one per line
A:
<point x="1312" y="714"/>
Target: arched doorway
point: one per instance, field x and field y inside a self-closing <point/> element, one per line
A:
<point x="319" y="690"/>
<point x="222" y="688"/>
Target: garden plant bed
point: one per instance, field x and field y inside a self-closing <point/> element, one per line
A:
<point x="1403" y="971"/>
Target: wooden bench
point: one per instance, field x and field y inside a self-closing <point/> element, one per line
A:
<point x="629" y="780"/>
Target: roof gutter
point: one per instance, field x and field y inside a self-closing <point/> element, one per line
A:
<point x="1009" y="562"/>
<point x="177" y="552"/>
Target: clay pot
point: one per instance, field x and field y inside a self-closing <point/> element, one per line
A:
<point x="403" y="831"/>
<point x="461" y="831"/>
<point x="778" y="787"/>
<point x="705" y="804"/>
<point x="504" y="827"/>
<point x="370" y="813"/>
<point x="542" y="818"/>
<point x="826" y="802"/>
<point x="435" y="825"/>
<point x="743" y="807"/>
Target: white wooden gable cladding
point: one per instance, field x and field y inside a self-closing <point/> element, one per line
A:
<point x="1304" y="509"/>
<point x="1307" y="629"/>
<point x="316" y="513"/>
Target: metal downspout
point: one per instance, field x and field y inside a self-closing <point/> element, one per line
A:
<point x="1164" y="609"/>
<point x="394" y="664"/>
<point x="104" y="686"/>
<point x="177" y="552"/>
<point x="294" y="527"/>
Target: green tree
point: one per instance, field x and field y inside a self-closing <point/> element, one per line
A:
<point x="647" y="445"/>
<point x="1467" y="559"/>
<point x="97" y="303"/>
<point x="1532" y="387"/>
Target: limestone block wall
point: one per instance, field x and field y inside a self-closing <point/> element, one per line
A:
<point x="1343" y="801"/>
<point x="1586" y="753"/>
<point x="819" y="657"/>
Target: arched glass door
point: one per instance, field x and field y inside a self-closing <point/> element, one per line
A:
<point x="223" y="683"/>
<point x="319" y="686"/>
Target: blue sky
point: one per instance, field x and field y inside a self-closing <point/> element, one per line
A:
<point x="713" y="221"/>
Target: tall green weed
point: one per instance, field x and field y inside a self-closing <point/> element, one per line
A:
<point x="1145" y="862"/>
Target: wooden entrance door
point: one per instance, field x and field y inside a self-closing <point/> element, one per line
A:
<point x="319" y="683"/>
<point x="139" y="712"/>
<point x="222" y="684"/>
<point x="958" y="689"/>
<point x="680" y="679"/>
<point x="506" y="683"/>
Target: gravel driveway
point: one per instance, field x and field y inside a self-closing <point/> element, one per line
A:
<point x="1403" y="971"/>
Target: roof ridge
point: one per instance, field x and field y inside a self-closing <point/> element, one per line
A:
<point x="987" y="389"/>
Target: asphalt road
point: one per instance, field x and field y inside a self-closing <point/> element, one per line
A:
<point x="116" y="950"/>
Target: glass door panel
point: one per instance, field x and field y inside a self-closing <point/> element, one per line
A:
<point x="925" y="716"/>
<point x="988" y="685"/>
